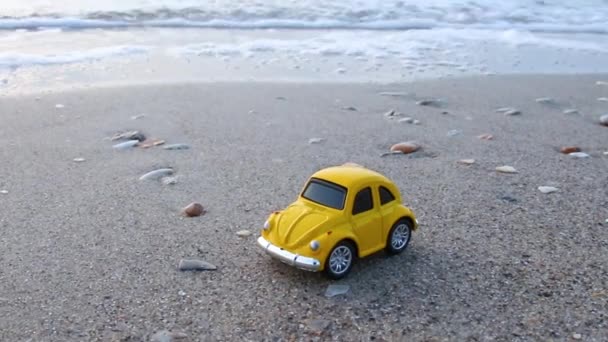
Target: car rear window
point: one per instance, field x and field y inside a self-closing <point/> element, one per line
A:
<point x="325" y="193"/>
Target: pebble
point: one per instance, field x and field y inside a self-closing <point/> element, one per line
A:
<point x="604" y="120"/>
<point x="602" y="99"/>
<point x="429" y="102"/>
<point x="315" y="140"/>
<point x="340" y="71"/>
<point x="156" y="174"/>
<point x="390" y="113"/>
<point x="508" y="111"/>
<point x="151" y="142"/>
<point x="569" y="149"/>
<point x="406" y="120"/>
<point x="336" y="290"/>
<point x="506" y="169"/>
<point x="606" y="153"/>
<point x="79" y="160"/>
<point x="59" y="106"/>
<point x="405" y="147"/>
<point x="318" y="325"/>
<point x="547" y="189"/>
<point x="243" y="233"/>
<point x="570" y="111"/>
<point x="577" y="336"/>
<point x="485" y="136"/>
<point x="169" y="180"/>
<point x="137" y="117"/>
<point x="513" y="112"/>
<point x="417" y="122"/>
<point x="126" y="145"/>
<point x="454" y="133"/>
<point x="466" y="161"/>
<point x="393" y="94"/>
<point x="601" y="82"/>
<point x="168" y="336"/>
<point x="193" y="210"/>
<point x="281" y="98"/>
<point x="545" y="100"/>
<point x="352" y="109"/>
<point x="130" y="135"/>
<point x="4" y="192"/>
<point x="195" y="265"/>
<point x="176" y="147"/>
<point x="579" y="155"/>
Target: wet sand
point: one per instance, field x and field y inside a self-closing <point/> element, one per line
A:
<point x="89" y="252"/>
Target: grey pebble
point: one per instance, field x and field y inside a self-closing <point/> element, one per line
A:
<point x="513" y="112"/>
<point x="393" y="94"/>
<point x="169" y="180"/>
<point x="130" y="135"/>
<point x="336" y="290"/>
<point x="125" y="145"/>
<point x="545" y="100"/>
<point x="570" y="111"/>
<point x="156" y="174"/>
<point x="168" y="336"/>
<point x="350" y="108"/>
<point x="429" y="102"/>
<point x="176" y="147"/>
<point x="406" y="120"/>
<point x="454" y="133"/>
<point x="195" y="265"/>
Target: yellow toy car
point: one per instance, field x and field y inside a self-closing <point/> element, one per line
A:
<point x="343" y="212"/>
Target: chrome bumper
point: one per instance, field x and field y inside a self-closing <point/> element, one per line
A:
<point x="302" y="262"/>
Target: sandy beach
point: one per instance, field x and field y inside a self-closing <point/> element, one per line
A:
<point x="90" y="253"/>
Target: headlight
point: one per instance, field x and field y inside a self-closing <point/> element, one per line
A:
<point x="314" y="245"/>
<point x="266" y="225"/>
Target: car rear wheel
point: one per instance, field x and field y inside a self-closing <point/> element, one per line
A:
<point x="399" y="237"/>
<point x="340" y="260"/>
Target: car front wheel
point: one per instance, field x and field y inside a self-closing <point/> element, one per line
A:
<point x="340" y="260"/>
<point x="399" y="237"/>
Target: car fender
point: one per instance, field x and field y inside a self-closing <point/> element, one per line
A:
<point x="401" y="212"/>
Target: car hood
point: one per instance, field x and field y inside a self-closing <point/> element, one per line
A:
<point x="298" y="223"/>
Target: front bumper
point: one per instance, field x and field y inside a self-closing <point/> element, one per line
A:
<point x="299" y="261"/>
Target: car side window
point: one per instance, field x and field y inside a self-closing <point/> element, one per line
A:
<point x="385" y="196"/>
<point x="363" y="201"/>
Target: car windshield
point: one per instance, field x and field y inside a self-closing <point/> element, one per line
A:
<point x="325" y="193"/>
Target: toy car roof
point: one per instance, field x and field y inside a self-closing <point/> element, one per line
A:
<point x="349" y="176"/>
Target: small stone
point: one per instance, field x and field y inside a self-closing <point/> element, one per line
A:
<point x="604" y="120"/>
<point x="176" y="147"/>
<point x="405" y="147"/>
<point x="315" y="140"/>
<point x="243" y="233"/>
<point x="281" y="98"/>
<point x="569" y="149"/>
<point x="169" y="180"/>
<point x="340" y="71"/>
<point x="547" y="189"/>
<point x="195" y="265"/>
<point x="454" y="133"/>
<point x="570" y="111"/>
<point x="544" y="100"/>
<point x="601" y="82"/>
<point x="429" y="102"/>
<point x="3" y="191"/>
<point x="512" y="112"/>
<point x="466" y="161"/>
<point x="393" y="94"/>
<point x="137" y="117"/>
<point x="406" y="120"/>
<point x="125" y="145"/>
<point x="503" y="109"/>
<point x="193" y="210"/>
<point x="606" y="153"/>
<point x="508" y="198"/>
<point x="579" y="155"/>
<point x="416" y="122"/>
<point x="130" y="135"/>
<point x="157" y="174"/>
<point x="602" y="99"/>
<point x="506" y="169"/>
<point x="485" y="136"/>
<point x="181" y="293"/>
<point x="79" y="160"/>
<point x="577" y="336"/>
<point x="318" y="325"/>
<point x="150" y="143"/>
<point x="336" y="290"/>
<point x="350" y="108"/>
<point x="168" y="336"/>
<point x="391" y="113"/>
<point x="59" y="106"/>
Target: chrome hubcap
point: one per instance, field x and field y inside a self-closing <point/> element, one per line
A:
<point x="340" y="259"/>
<point x="401" y="235"/>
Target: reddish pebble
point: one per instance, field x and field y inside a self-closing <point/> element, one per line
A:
<point x="405" y="147"/>
<point x="486" y="136"/>
<point x="193" y="210"/>
<point x="569" y="149"/>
